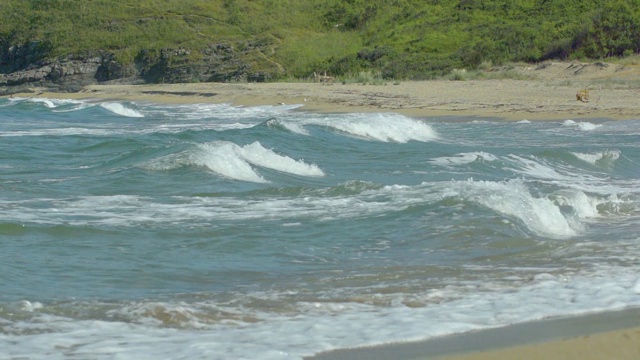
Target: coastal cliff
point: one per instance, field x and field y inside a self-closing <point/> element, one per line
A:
<point x="25" y="67"/>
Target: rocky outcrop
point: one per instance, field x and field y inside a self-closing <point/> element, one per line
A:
<point x="65" y="74"/>
<point x="242" y="62"/>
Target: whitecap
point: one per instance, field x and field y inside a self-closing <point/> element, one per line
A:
<point x="53" y="103"/>
<point x="382" y="127"/>
<point x="259" y="156"/>
<point x="584" y="126"/>
<point x="293" y="127"/>
<point x="224" y="158"/>
<point x="584" y="206"/>
<point x="464" y="158"/>
<point x="540" y="215"/>
<point x="235" y="162"/>
<point x="119" y="109"/>
<point x="606" y="156"/>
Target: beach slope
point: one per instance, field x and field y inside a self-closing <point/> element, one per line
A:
<point x="608" y="335"/>
<point x="525" y="92"/>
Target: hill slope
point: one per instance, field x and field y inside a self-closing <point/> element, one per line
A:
<point x="240" y="40"/>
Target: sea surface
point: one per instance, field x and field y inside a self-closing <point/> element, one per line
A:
<point x="133" y="230"/>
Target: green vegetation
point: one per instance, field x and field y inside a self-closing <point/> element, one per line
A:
<point x="393" y="39"/>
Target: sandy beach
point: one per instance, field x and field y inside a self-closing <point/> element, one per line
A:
<point x="549" y="93"/>
<point x="608" y="335"/>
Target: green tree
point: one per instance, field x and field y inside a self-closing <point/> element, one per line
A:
<point x="615" y="29"/>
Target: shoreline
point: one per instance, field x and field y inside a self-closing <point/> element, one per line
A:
<point x="608" y="334"/>
<point x="511" y="100"/>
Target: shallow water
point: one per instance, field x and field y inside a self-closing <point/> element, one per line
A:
<point x="134" y="230"/>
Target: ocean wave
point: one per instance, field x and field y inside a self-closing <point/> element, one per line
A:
<point x="224" y="111"/>
<point x="59" y="131"/>
<point x="555" y="171"/>
<point x="464" y="158"/>
<point x="296" y="128"/>
<point x="120" y="109"/>
<point x="70" y="105"/>
<point x="605" y="157"/>
<point x="236" y="162"/>
<point x="539" y="214"/>
<point x="560" y="214"/>
<point x="51" y="103"/>
<point x="581" y="125"/>
<point x="380" y="127"/>
<point x="278" y="324"/>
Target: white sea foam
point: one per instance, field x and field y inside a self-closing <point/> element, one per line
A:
<point x="381" y="127"/>
<point x="120" y="109"/>
<point x="512" y="198"/>
<point x="52" y="103"/>
<point x="584" y="206"/>
<point x="539" y="169"/>
<point x="189" y="330"/>
<point x="570" y="177"/>
<point x="556" y="215"/>
<point x="134" y="210"/>
<point x="76" y="107"/>
<point x="543" y="216"/>
<point x="582" y="125"/>
<point x="464" y="158"/>
<point x="225" y="158"/>
<point x="256" y="154"/>
<point x="606" y="157"/>
<point x="294" y="127"/>
<point x="242" y="114"/>
<point x="235" y="162"/>
<point x="59" y="131"/>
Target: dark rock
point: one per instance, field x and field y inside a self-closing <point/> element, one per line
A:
<point x="246" y="61"/>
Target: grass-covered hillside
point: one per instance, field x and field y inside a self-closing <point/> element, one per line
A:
<point x="293" y="38"/>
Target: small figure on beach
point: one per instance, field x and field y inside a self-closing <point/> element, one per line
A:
<point x="322" y="78"/>
<point x="583" y="95"/>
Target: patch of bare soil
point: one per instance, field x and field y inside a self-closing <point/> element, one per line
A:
<point x="551" y="71"/>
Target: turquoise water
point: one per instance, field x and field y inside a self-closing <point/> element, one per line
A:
<point x="139" y="230"/>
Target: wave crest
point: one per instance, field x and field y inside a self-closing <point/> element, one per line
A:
<point x="236" y="162"/>
<point x="540" y="215"/>
<point x="384" y="127"/>
<point x="119" y="109"/>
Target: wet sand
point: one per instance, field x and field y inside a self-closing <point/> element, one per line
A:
<point x="607" y="335"/>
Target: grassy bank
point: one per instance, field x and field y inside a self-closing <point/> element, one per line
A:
<point x="397" y="39"/>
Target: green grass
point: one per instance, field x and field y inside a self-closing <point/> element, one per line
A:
<point x="395" y="39"/>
